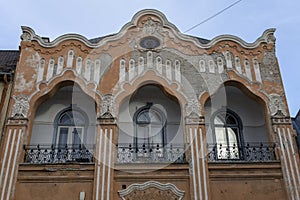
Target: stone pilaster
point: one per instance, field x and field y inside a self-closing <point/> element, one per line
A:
<point x="287" y="151"/>
<point x="196" y="134"/>
<point x="106" y="137"/>
<point x="11" y="150"/>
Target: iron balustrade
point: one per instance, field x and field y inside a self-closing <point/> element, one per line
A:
<point x="43" y="154"/>
<point x="154" y="153"/>
<point x="251" y="152"/>
<point x="150" y="153"/>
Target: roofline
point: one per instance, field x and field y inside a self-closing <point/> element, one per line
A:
<point x="30" y="35"/>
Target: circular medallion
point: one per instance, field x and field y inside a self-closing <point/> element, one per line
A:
<point x="149" y="42"/>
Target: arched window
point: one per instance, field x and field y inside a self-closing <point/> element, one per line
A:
<point x="149" y="130"/>
<point x="227" y="128"/>
<point x="70" y="128"/>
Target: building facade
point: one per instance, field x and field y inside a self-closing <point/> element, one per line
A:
<point x="8" y="62"/>
<point x="148" y="113"/>
<point x="296" y="125"/>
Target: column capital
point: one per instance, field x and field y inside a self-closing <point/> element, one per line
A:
<point x="194" y="119"/>
<point x="280" y="119"/>
<point x="14" y="121"/>
<point x="107" y="119"/>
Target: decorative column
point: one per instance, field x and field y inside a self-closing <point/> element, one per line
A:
<point x="286" y="143"/>
<point x="195" y="129"/>
<point x="11" y="146"/>
<point x="106" y="137"/>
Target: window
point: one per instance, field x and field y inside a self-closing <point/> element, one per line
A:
<point x="70" y="128"/>
<point x="149" y="131"/>
<point x="227" y="128"/>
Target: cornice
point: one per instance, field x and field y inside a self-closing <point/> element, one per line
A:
<point x="29" y="34"/>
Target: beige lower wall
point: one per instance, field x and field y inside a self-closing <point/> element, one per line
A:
<point x="59" y="182"/>
<point x="243" y="181"/>
<point x="54" y="190"/>
<point x="247" y="189"/>
<point x="246" y="181"/>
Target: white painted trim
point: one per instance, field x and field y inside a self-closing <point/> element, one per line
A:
<point x="5" y="155"/>
<point x="198" y="164"/>
<point x="14" y="164"/>
<point x="104" y="163"/>
<point x="285" y="163"/>
<point x="98" y="165"/>
<point x="109" y="163"/>
<point x="193" y="164"/>
<point x="8" y="163"/>
<point x="290" y="163"/>
<point x="264" y="38"/>
<point x="203" y="165"/>
<point x="294" y="155"/>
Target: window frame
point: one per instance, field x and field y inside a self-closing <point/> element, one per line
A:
<point x="149" y="107"/>
<point x="239" y="134"/>
<point x="71" y="127"/>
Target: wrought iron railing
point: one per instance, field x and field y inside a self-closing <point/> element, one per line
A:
<point x="42" y="154"/>
<point x="250" y="152"/>
<point x="150" y="153"/>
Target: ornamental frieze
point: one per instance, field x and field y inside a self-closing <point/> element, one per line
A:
<point x="151" y="190"/>
<point x="21" y="106"/>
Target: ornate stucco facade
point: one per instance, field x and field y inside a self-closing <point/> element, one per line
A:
<point x="148" y="113"/>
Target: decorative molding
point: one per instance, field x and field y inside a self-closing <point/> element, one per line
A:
<point x="194" y="119"/>
<point x="17" y="121"/>
<point x="153" y="24"/>
<point x="280" y="119"/>
<point x="150" y="26"/>
<point x="20" y="107"/>
<point x="193" y="106"/>
<point x="152" y="190"/>
<point x="276" y="105"/>
<point x="107" y="107"/>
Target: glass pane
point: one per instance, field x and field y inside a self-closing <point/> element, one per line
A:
<point x="230" y="120"/>
<point x="66" y="118"/>
<point x="78" y="118"/>
<point x="72" y="118"/>
<point x="143" y="118"/>
<point x="77" y="134"/>
<point x="155" y="129"/>
<point x="154" y="117"/>
<point x="221" y="140"/>
<point x="219" y="120"/>
<point x="156" y="134"/>
<point x="142" y="134"/>
<point x="233" y="143"/>
<point x="143" y="141"/>
<point x="63" y="137"/>
<point x="232" y="139"/>
<point x="221" y="135"/>
<point x="156" y="140"/>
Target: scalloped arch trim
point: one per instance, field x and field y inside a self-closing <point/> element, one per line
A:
<point x="160" y="187"/>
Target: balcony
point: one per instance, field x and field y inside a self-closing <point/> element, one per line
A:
<point x="251" y="152"/>
<point x="153" y="153"/>
<point x="45" y="154"/>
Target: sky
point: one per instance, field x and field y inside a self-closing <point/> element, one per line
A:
<point x="93" y="18"/>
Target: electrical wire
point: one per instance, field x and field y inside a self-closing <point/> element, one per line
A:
<point x="209" y="18"/>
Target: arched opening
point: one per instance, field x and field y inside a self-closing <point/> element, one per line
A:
<point x="227" y="134"/>
<point x="236" y="126"/>
<point x="70" y="127"/>
<point x="150" y="127"/>
<point x="63" y="127"/>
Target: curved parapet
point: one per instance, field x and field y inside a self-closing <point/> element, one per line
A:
<point x="147" y="21"/>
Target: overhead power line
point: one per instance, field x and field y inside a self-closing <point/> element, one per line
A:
<point x="209" y="18"/>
